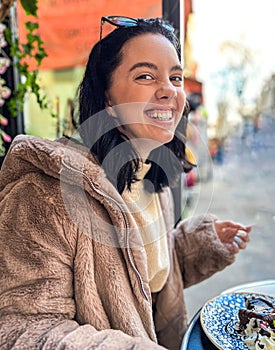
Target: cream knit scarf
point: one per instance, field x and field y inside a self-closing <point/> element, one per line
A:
<point x="147" y="213"/>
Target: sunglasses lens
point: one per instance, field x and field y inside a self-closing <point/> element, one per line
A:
<point x="168" y="27"/>
<point x="163" y="24"/>
<point x="122" y="21"/>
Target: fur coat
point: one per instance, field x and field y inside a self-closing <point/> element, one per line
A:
<point x="73" y="271"/>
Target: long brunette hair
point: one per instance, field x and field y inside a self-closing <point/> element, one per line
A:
<point x="98" y="130"/>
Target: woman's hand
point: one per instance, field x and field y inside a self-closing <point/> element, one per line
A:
<point x="233" y="236"/>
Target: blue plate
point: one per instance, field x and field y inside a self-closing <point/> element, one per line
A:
<point x="219" y="319"/>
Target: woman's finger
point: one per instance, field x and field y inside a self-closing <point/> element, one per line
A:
<point x="228" y="234"/>
<point x="232" y="247"/>
<point x="240" y="242"/>
<point x="243" y="235"/>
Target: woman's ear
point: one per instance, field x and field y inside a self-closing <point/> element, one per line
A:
<point x="108" y="102"/>
<point x="110" y="110"/>
<point x="109" y="107"/>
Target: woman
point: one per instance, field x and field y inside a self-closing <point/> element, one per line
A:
<point x="89" y="256"/>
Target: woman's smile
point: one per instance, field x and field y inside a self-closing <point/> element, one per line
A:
<point x="160" y="115"/>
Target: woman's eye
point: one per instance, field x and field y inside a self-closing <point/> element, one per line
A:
<point x="177" y="79"/>
<point x="144" y="77"/>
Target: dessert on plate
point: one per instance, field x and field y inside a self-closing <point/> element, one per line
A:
<point x="257" y="322"/>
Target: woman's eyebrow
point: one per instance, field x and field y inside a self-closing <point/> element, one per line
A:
<point x="143" y="64"/>
<point x="177" y="67"/>
<point x="153" y="66"/>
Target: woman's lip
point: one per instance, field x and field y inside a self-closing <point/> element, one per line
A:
<point x="159" y="121"/>
<point x="162" y="109"/>
<point x="152" y="111"/>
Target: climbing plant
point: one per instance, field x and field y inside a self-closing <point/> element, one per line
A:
<point x="20" y="53"/>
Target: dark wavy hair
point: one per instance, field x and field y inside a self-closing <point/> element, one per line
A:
<point x="98" y="130"/>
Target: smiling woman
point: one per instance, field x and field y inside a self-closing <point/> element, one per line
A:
<point x="104" y="263"/>
<point x="138" y="82"/>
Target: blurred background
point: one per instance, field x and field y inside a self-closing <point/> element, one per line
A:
<point x="229" y="60"/>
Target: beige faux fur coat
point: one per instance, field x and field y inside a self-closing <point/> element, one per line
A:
<point x="73" y="271"/>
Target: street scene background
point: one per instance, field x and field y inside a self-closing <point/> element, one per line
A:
<point x="242" y="189"/>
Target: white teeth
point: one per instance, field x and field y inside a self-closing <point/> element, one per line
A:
<point x="161" y="115"/>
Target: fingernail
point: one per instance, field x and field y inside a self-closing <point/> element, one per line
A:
<point x="241" y="233"/>
<point x="235" y="245"/>
<point x="238" y="239"/>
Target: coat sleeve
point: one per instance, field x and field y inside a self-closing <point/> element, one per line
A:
<point x="199" y="250"/>
<point x="56" y="332"/>
<point x="37" y="305"/>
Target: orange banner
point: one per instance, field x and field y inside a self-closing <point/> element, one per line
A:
<point x="69" y="28"/>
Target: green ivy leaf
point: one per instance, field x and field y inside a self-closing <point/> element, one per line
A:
<point x="30" y="6"/>
<point x="27" y="49"/>
<point x="31" y="26"/>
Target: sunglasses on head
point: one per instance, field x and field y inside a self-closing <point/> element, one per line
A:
<point x="122" y="21"/>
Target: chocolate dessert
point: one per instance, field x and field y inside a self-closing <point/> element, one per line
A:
<point x="260" y="308"/>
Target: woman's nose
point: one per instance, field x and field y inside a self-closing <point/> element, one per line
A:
<point x="166" y="90"/>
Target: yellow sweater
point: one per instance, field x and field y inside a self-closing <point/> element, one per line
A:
<point x="146" y="210"/>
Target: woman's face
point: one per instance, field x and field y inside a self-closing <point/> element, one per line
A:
<point x="146" y="91"/>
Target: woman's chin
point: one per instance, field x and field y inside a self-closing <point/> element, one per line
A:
<point x="163" y="137"/>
